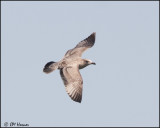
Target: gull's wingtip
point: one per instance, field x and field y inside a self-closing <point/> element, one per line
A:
<point x="94" y="33"/>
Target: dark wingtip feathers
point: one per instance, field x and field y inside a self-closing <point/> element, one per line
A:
<point x="76" y="97"/>
<point x="88" y="42"/>
<point x="94" y="33"/>
<point x="91" y="39"/>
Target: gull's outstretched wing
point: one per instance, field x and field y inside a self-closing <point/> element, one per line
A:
<point x="82" y="46"/>
<point x="73" y="82"/>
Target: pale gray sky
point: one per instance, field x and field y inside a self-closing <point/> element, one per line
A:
<point x="121" y="90"/>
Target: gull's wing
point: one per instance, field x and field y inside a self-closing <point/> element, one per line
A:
<point x="82" y="46"/>
<point x="73" y="82"/>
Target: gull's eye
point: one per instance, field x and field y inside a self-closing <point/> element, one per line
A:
<point x="87" y="62"/>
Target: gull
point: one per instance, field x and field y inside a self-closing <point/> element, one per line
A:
<point x="69" y="67"/>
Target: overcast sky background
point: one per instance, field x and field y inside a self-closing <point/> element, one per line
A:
<point x="121" y="90"/>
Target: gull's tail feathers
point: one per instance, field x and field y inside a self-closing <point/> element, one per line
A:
<point x="50" y="66"/>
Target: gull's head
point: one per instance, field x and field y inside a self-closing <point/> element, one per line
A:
<point x="85" y="63"/>
<point x="89" y="62"/>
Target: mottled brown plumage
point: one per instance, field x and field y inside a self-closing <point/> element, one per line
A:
<point x="69" y="68"/>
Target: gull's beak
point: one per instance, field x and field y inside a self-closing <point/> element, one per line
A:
<point x="93" y="63"/>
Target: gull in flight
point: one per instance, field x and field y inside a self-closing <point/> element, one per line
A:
<point x="69" y="67"/>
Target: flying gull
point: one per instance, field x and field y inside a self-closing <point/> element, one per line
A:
<point x="69" y="67"/>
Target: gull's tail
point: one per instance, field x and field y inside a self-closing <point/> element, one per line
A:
<point x="50" y="66"/>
